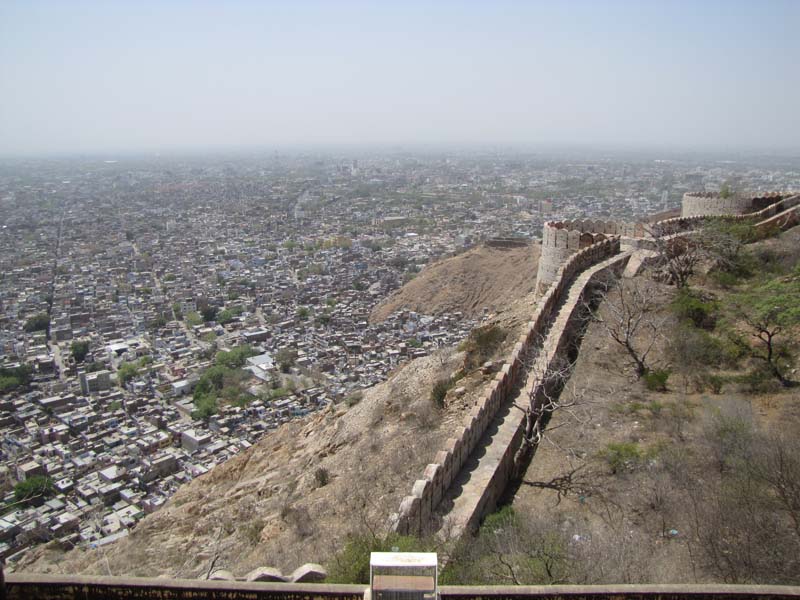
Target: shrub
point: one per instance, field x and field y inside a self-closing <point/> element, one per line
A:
<point x="725" y="279"/>
<point x="481" y="345"/>
<point x="622" y="456"/>
<point x="758" y="381"/>
<point x="439" y="391"/>
<point x="351" y="563"/>
<point x="690" y="305"/>
<point x="713" y="382"/>
<point x="252" y="531"/>
<point x="353" y="399"/>
<point x="734" y="348"/>
<point x="322" y="477"/>
<point x="656" y="380"/>
<point x="691" y="347"/>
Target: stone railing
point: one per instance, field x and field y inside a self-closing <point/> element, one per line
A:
<point x="64" y="587"/>
<point x="416" y="509"/>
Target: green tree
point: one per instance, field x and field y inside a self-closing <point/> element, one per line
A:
<point x="11" y="379"/>
<point x="205" y="406"/>
<point x="209" y="313"/>
<point x="236" y="358"/>
<point x="286" y="358"/>
<point x="225" y="316"/>
<point x="771" y="311"/>
<point x="193" y="319"/>
<point x="79" y="350"/>
<point x="126" y="372"/>
<point x="33" y="488"/>
<point x="38" y="322"/>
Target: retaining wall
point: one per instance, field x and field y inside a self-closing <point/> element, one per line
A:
<point x="414" y="515"/>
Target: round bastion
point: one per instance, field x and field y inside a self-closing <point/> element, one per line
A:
<point x="562" y="239"/>
<point x="712" y="203"/>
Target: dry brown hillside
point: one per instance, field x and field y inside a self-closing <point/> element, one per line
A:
<point x="652" y="486"/>
<point x="482" y="277"/>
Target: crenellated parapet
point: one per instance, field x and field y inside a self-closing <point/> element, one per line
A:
<point x="562" y="239"/>
<point x="417" y="509"/>
<point x="716" y="204"/>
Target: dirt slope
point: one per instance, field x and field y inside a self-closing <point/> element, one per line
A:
<point x="638" y="524"/>
<point x="480" y="277"/>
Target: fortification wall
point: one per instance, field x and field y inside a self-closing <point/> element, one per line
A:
<point x="508" y="242"/>
<point x="687" y="223"/>
<point x="565" y="328"/>
<point x="562" y="239"/>
<point x="415" y="511"/>
<point x="568" y="248"/>
<point x="711" y="203"/>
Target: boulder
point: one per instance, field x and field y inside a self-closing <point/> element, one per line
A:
<point x="265" y="574"/>
<point x="309" y="573"/>
<point x="222" y="575"/>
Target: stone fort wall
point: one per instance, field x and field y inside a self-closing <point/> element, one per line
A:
<point x="568" y="249"/>
<point x="416" y="509"/>
<point x="561" y="239"/>
<point x="711" y="203"/>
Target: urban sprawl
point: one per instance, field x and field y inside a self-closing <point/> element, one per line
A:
<point x="159" y="315"/>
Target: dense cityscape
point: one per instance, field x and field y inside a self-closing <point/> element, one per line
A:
<point x="159" y="315"/>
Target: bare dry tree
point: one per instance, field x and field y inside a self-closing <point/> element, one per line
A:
<point x="546" y="397"/>
<point x="630" y="319"/>
<point x="678" y="253"/>
<point x="766" y="325"/>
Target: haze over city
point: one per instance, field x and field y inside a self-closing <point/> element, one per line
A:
<point x="92" y="77"/>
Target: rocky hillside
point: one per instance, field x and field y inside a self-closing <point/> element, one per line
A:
<point x="482" y="277"/>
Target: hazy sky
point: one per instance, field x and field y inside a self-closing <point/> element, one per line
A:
<point x="169" y="75"/>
